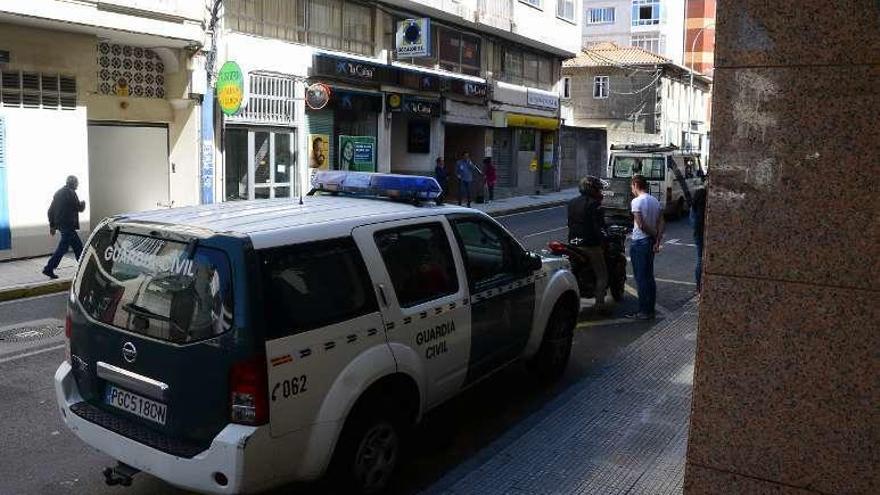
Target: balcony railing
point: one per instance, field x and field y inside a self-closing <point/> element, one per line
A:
<point x="495" y="13"/>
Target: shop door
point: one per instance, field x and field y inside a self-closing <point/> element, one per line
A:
<point x="259" y="163"/>
<point x="128" y="169"/>
<point x="547" y="159"/>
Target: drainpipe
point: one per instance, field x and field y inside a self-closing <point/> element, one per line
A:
<point x="206" y="171"/>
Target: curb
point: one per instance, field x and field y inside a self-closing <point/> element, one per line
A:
<point x="31" y="290"/>
<point x="522" y="209"/>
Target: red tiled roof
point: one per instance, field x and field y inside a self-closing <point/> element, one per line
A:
<point x="607" y="54"/>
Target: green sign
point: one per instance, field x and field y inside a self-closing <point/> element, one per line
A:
<point x="357" y="153"/>
<point x="230" y="88"/>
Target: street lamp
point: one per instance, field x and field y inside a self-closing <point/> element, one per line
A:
<point x="691" y="95"/>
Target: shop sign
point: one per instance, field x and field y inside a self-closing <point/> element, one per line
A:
<point x="319" y="151"/>
<point x="230" y="88"/>
<point x="411" y="104"/>
<point x="344" y="68"/>
<point x="418" y="80"/>
<point x="357" y="153"/>
<point x="533" y="121"/>
<point x="317" y="96"/>
<point x="413" y="38"/>
<point x="468" y="88"/>
<point x="542" y="99"/>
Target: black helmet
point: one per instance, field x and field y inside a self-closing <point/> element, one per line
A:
<point x="590" y="184"/>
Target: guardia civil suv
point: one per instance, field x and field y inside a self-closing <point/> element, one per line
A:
<point x="234" y="347"/>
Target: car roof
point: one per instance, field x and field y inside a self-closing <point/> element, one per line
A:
<point x="278" y="222"/>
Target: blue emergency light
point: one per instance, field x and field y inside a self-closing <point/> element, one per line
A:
<point x="394" y="186"/>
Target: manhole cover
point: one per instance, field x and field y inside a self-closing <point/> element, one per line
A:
<point x="31" y="331"/>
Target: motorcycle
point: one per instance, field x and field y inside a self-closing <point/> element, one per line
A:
<point x="613" y="246"/>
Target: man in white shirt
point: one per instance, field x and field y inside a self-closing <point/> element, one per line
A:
<point x="646" y="236"/>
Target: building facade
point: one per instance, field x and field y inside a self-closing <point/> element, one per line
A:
<point x="700" y="36"/>
<point x="626" y="95"/>
<point x="102" y="90"/>
<point x="657" y="26"/>
<point x="391" y="87"/>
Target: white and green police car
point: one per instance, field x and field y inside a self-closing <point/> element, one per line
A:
<point x="234" y="347"/>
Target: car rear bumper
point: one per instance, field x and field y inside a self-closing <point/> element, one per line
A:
<point x="226" y="453"/>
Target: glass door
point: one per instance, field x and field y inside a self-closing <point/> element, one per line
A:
<point x="260" y="163"/>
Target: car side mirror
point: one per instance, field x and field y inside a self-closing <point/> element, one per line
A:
<point x="532" y="262"/>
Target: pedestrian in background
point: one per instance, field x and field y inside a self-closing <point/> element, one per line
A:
<point x="464" y="172"/>
<point x="698" y="220"/>
<point x="646" y="236"/>
<point x="491" y="176"/>
<point x="441" y="176"/>
<point x="64" y="218"/>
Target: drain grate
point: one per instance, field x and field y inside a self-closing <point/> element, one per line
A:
<point x="32" y="331"/>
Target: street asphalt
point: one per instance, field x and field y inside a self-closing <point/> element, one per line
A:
<point x="38" y="456"/>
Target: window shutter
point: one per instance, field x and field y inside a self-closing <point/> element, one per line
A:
<point x="5" y="233"/>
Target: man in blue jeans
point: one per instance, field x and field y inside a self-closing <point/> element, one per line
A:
<point x="64" y="218"/>
<point x="646" y="236"/>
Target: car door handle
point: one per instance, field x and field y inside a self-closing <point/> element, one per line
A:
<point x="382" y="294"/>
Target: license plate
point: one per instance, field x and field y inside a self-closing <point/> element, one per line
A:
<point x="135" y="404"/>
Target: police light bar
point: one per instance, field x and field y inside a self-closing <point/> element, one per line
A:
<point x="405" y="187"/>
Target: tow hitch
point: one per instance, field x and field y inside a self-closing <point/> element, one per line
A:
<point x="120" y="475"/>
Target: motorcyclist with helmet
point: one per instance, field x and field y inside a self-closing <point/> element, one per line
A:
<point x="586" y="223"/>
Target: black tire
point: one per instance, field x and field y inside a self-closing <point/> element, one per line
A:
<point x="618" y="282"/>
<point x="617" y="291"/>
<point x="368" y="450"/>
<point x="550" y="361"/>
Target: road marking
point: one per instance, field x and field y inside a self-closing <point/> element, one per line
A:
<point x="544" y="232"/>
<point x="677" y="242"/>
<point x="679" y="282"/>
<point x="32" y="353"/>
<point x="527" y="212"/>
<point x="602" y="323"/>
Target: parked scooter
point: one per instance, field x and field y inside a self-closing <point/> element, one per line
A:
<point x="615" y="259"/>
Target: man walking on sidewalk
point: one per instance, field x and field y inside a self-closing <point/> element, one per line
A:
<point x="464" y="171"/>
<point x="64" y="217"/>
<point x="646" y="236"/>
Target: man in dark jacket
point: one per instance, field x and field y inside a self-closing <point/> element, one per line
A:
<point x="698" y="220"/>
<point x="585" y="224"/>
<point x="64" y="217"/>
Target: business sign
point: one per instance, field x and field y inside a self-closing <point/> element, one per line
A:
<point x="468" y="88"/>
<point x="542" y="99"/>
<point x="345" y="68"/>
<point x="426" y="107"/>
<point x="230" y="88"/>
<point x="413" y="38"/>
<point x="532" y="121"/>
<point x="357" y="153"/>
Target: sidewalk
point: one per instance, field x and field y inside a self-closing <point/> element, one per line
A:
<point x="23" y="278"/>
<point x="622" y="431"/>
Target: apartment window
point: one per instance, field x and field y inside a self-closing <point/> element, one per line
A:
<point x="601" y="15"/>
<point x="459" y="52"/>
<point x="565" y="9"/>
<point x="600" y="87"/>
<point x="566" y="87"/>
<point x="524" y="67"/>
<point x="37" y="90"/>
<point x="533" y="3"/>
<point x="334" y="24"/>
<point x="649" y="42"/>
<point x="645" y="12"/>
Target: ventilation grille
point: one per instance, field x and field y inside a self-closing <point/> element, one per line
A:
<point x="37" y="90"/>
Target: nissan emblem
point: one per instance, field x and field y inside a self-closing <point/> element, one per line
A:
<point x="129" y="352"/>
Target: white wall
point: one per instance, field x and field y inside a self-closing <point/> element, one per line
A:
<point x="543" y="25"/>
<point x="618" y="31"/>
<point x="43" y="147"/>
<point x="414" y="163"/>
<point x="671" y="27"/>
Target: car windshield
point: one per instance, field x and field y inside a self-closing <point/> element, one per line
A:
<point x="155" y="287"/>
<point x="652" y="167"/>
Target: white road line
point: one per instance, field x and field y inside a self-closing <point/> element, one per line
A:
<point x="544" y="232"/>
<point x="602" y="323"/>
<point x="32" y="353"/>
<point x="677" y="242"/>
<point x="527" y="212"/>
<point x="679" y="282"/>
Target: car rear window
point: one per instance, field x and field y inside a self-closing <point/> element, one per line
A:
<point x="156" y="287"/>
<point x="653" y="168"/>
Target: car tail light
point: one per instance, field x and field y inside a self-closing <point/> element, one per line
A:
<point x="248" y="392"/>
<point x="556" y="247"/>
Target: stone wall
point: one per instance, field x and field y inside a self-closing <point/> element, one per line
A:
<point x="786" y="387"/>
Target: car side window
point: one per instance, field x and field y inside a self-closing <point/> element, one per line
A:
<point x="419" y="261"/>
<point x="313" y="285"/>
<point x="490" y="255"/>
